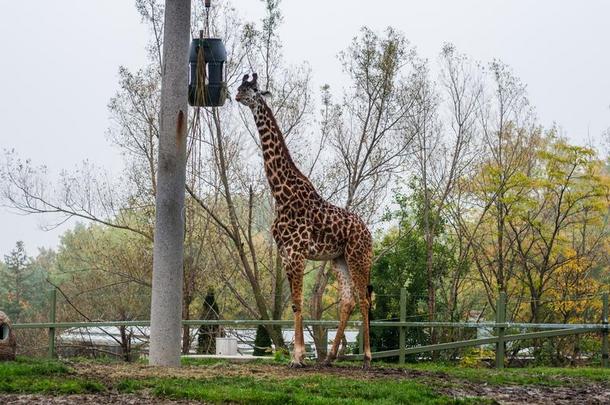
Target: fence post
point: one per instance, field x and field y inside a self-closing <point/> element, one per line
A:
<point x="53" y="320"/>
<point x="361" y="340"/>
<point x="402" y="339"/>
<point x="605" y="331"/>
<point x="500" y="318"/>
<point x="325" y="343"/>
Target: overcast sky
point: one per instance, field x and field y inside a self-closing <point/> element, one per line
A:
<point x="59" y="62"/>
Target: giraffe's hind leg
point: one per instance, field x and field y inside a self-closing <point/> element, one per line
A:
<point x="347" y="304"/>
<point x="359" y="261"/>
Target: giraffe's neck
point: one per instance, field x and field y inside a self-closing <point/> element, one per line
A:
<point x="282" y="174"/>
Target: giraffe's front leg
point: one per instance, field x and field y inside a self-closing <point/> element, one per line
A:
<point x="294" y="266"/>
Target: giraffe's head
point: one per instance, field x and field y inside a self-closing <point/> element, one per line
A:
<point x="248" y="93"/>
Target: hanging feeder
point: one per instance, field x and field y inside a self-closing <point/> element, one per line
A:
<point x="207" y="85"/>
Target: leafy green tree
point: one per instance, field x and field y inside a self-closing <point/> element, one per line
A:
<point x="402" y="264"/>
<point x="22" y="285"/>
<point x="560" y="226"/>
<point x="105" y="273"/>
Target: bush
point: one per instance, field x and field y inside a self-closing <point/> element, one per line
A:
<point x="262" y="343"/>
<point x="475" y="357"/>
<point x="207" y="334"/>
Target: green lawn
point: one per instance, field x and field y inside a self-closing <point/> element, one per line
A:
<point x="42" y="376"/>
<point x="547" y="376"/>
<point x="302" y="390"/>
<point x="264" y="383"/>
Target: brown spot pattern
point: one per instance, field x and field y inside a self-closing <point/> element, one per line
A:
<point x="307" y="227"/>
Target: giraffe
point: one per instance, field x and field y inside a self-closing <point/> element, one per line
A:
<point x="306" y="227"/>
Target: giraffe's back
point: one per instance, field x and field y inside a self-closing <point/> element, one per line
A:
<point x="332" y="228"/>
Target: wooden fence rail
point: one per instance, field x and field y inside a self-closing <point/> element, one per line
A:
<point x="545" y="330"/>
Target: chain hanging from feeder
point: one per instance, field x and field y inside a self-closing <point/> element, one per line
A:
<point x="207" y="56"/>
<point x="200" y="86"/>
<point x="207" y="17"/>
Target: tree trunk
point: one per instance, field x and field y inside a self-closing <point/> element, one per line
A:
<point x="317" y="309"/>
<point x="125" y="343"/>
<point x="430" y="283"/>
<point x="429" y="236"/>
<point x="166" y="302"/>
<point x="247" y="258"/>
<point x="275" y="331"/>
<point x="501" y="231"/>
<point x="188" y="297"/>
<point x="186" y="331"/>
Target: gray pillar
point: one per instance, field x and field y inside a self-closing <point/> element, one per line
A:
<point x="166" y="305"/>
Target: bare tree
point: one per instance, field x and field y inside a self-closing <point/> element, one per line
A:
<point x="510" y="141"/>
<point x="442" y="153"/>
<point x="240" y="204"/>
<point x="222" y="175"/>
<point x="365" y="134"/>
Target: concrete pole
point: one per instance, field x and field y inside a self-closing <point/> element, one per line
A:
<point x="166" y="305"/>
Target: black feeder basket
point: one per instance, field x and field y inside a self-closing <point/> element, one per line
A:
<point x="214" y="91"/>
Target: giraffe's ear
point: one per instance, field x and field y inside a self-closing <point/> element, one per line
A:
<point x="266" y="93"/>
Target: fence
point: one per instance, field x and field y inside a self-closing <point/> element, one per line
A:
<point x="545" y="330"/>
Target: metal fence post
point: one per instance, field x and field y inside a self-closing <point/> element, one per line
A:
<point x="500" y="319"/>
<point x="605" y="331"/>
<point x="402" y="339"/>
<point x="53" y="319"/>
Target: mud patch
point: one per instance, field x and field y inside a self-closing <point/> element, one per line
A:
<point x="518" y="394"/>
<point x="110" y="373"/>
<point x="101" y="399"/>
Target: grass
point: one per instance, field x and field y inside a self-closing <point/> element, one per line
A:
<point x="43" y="376"/>
<point x="546" y="376"/>
<point x="185" y="361"/>
<point x="303" y="390"/>
<point x="57" y="378"/>
<point x="30" y="367"/>
<point x="189" y="361"/>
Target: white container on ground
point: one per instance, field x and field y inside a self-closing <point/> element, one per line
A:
<point x="226" y="347"/>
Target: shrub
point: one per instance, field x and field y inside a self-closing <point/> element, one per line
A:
<point x="262" y="342"/>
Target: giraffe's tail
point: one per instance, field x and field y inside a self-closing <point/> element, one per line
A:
<point x="369" y="297"/>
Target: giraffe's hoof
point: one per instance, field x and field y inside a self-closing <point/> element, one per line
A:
<point x="327" y="362"/>
<point x="297" y="364"/>
<point x="366" y="365"/>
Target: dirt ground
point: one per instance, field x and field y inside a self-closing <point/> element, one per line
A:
<point x="91" y="399"/>
<point x="576" y="393"/>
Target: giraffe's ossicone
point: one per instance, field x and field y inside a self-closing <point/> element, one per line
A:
<point x="307" y="227"/>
